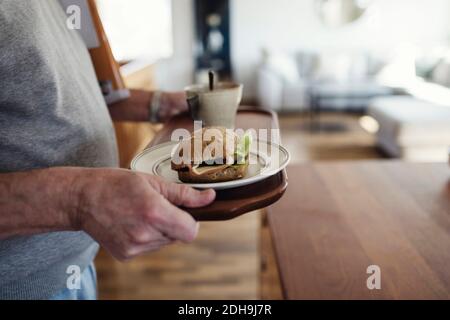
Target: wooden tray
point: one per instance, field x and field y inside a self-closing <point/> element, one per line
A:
<point x="231" y="203"/>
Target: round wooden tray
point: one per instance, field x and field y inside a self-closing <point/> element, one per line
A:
<point x="231" y="203"/>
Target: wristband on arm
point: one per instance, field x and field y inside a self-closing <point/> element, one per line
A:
<point x="154" y="107"/>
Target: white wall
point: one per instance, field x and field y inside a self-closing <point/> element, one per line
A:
<point x="178" y="71"/>
<point x="289" y="25"/>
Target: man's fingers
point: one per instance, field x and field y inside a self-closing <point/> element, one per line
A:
<point x="182" y="195"/>
<point x="144" y="234"/>
<point x="167" y="217"/>
<point x="152" y="246"/>
<point x="173" y="222"/>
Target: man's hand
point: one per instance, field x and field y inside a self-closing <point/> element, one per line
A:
<point x="136" y="107"/>
<point x="128" y="213"/>
<point x="172" y="103"/>
<point x="132" y="213"/>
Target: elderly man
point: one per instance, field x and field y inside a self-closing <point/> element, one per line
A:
<point x="60" y="190"/>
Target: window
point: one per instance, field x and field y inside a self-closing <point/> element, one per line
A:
<point x="138" y="29"/>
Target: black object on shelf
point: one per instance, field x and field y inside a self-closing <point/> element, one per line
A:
<point x="212" y="37"/>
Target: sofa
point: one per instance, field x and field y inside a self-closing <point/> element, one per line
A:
<point x="416" y="126"/>
<point x="411" y="128"/>
<point x="342" y="80"/>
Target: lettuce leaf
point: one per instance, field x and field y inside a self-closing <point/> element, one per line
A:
<point x="243" y="148"/>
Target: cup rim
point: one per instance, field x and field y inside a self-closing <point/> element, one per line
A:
<point x="223" y="86"/>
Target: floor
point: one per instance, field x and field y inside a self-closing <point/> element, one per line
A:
<point x="231" y="259"/>
<point x="215" y="266"/>
<point x="350" y="143"/>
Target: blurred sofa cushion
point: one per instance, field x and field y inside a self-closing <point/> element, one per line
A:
<point x="283" y="64"/>
<point x="307" y="62"/>
<point x="342" y="66"/>
<point x="441" y="73"/>
<point x="410" y="125"/>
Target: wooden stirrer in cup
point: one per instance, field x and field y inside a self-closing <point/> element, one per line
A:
<point x="211" y="80"/>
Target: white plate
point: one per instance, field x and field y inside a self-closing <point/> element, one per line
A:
<point x="266" y="159"/>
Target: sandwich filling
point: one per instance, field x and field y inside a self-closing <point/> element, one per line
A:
<point x="213" y="151"/>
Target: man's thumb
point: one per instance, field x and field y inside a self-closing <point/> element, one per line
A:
<point x="182" y="195"/>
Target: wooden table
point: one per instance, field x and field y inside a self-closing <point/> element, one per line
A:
<point x="231" y="203"/>
<point x="338" y="218"/>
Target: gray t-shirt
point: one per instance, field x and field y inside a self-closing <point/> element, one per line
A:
<point x="52" y="113"/>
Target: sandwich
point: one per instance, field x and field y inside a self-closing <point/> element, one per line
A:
<point x="212" y="154"/>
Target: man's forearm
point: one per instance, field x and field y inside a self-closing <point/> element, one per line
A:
<point x="37" y="201"/>
<point x="137" y="106"/>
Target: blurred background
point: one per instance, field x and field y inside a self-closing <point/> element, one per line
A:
<point x="350" y="79"/>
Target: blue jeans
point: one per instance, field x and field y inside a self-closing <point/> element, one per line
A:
<point x="88" y="288"/>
